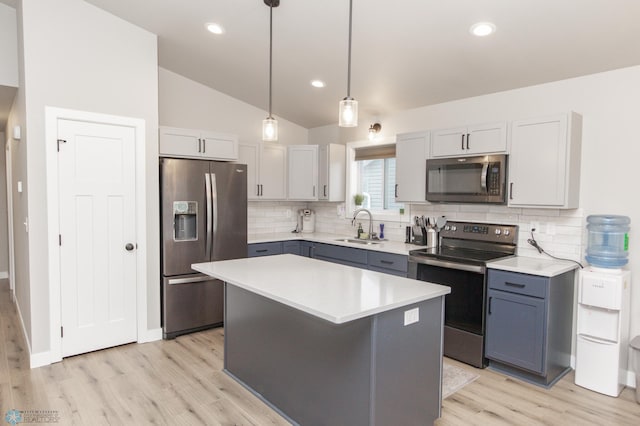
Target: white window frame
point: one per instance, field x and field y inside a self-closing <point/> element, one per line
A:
<point x="351" y="185"/>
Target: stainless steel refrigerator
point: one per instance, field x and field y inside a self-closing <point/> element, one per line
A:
<point x="204" y="218"/>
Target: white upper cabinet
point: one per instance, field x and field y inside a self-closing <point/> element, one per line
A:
<point x="470" y="140"/>
<point x="266" y="170"/>
<point x="544" y="163"/>
<point x="411" y="166"/>
<point x="332" y="168"/>
<point x="303" y="172"/>
<point x="191" y="143"/>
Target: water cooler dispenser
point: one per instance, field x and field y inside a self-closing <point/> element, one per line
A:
<point x="604" y="296"/>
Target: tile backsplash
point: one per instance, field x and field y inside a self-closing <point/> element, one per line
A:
<point x="561" y="233"/>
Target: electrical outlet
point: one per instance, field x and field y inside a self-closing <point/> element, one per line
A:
<point x="288" y="213"/>
<point x="411" y="316"/>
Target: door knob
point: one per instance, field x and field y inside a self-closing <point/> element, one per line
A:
<point x="129" y="247"/>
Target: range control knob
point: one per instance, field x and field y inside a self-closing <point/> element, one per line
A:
<point x="498" y="232"/>
<point x="447" y="227"/>
<point x="454" y="228"/>
<point x="506" y="232"/>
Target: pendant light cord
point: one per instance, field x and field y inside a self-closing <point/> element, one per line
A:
<point x="270" y="52"/>
<point x="349" y="57"/>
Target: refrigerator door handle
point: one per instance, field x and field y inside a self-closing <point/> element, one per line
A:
<point x="207" y="190"/>
<point x="197" y="279"/>
<point x="214" y="206"/>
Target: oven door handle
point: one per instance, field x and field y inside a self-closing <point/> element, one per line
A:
<point x="446" y="264"/>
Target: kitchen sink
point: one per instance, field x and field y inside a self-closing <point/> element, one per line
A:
<point x="358" y="241"/>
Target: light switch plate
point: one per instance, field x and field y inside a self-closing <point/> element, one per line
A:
<point x="411" y="316"/>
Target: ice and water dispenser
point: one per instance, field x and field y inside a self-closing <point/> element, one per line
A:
<point x="185" y="220"/>
<point x="604" y="294"/>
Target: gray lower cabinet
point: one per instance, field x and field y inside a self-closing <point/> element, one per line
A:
<point x="389" y="263"/>
<point x="264" y="249"/>
<point x="529" y="321"/>
<point x="395" y="264"/>
<point x="291" y="247"/>
<point x="339" y="254"/>
<point x="306" y="248"/>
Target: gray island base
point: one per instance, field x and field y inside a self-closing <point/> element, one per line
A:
<point x="371" y="370"/>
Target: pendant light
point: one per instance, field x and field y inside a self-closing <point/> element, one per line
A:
<point x="348" y="112"/>
<point x="270" y="124"/>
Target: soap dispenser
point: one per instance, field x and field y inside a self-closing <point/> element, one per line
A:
<point x="360" y="231"/>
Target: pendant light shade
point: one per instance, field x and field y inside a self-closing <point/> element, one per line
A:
<point x="269" y="129"/>
<point x="270" y="124"/>
<point x="348" y="111"/>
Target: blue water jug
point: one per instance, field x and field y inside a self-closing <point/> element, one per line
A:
<point x="608" y="243"/>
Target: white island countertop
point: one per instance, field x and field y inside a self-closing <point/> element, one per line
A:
<point x="333" y="292"/>
<point x="533" y="266"/>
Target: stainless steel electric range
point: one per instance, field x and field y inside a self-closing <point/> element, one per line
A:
<point x="460" y="262"/>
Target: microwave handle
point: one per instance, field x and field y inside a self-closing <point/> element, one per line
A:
<point x="483" y="176"/>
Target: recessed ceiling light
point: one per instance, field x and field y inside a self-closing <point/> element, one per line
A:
<point x="215" y="28"/>
<point x="317" y="83"/>
<point x="482" y="29"/>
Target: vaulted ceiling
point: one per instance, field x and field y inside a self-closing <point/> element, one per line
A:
<point x="405" y="54"/>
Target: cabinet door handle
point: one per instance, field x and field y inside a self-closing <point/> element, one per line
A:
<point x="490" y="299"/>
<point x="314" y="190"/>
<point x="261" y="190"/>
<point x="511" y="191"/>
<point x="518" y="285"/>
<point x="199" y="145"/>
<point x="204" y="146"/>
<point x="396" y="195"/>
<point x="468" y="140"/>
<point x="262" y="251"/>
<point x="462" y="147"/>
<point x="258" y="190"/>
<point x="387" y="262"/>
<point x="325" y="190"/>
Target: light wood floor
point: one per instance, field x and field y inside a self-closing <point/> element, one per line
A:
<point x="180" y="382"/>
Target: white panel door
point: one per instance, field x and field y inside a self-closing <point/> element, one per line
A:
<point x="96" y="164"/>
<point x="411" y="167"/>
<point x="537" y="163"/>
<point x="249" y="154"/>
<point x="303" y="172"/>
<point x="273" y="171"/>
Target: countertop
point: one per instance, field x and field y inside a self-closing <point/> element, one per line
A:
<point x="333" y="292"/>
<point x="384" y="246"/>
<point x="533" y="266"/>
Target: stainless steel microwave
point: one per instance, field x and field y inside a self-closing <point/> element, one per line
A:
<point x="480" y="179"/>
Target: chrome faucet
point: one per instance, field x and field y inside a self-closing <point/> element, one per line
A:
<point x="353" y="221"/>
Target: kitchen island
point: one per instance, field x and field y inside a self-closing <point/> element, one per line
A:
<point x="328" y="344"/>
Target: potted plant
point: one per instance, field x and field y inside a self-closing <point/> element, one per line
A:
<point x="358" y="199"/>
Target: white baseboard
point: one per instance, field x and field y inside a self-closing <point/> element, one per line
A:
<point x="40" y="359"/>
<point x="36" y="360"/>
<point x="4" y="274"/>
<point x="151" y="336"/>
<point x="631" y="379"/>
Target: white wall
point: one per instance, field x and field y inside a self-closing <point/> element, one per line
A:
<point x="8" y="46"/>
<point x="186" y="103"/>
<point x="19" y="174"/>
<point x="79" y="57"/>
<point x="4" y="245"/>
